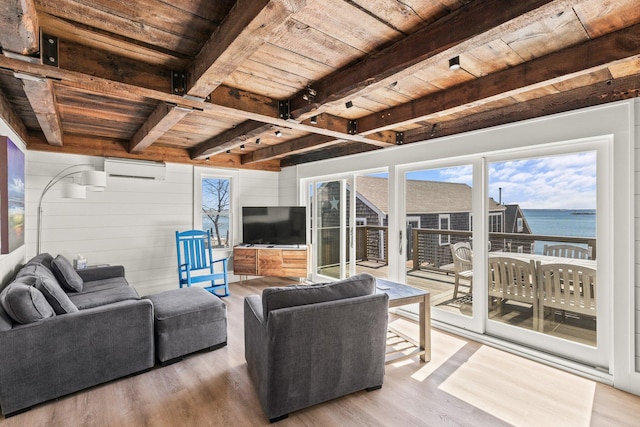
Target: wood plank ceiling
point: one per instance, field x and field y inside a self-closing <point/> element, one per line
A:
<point x="216" y="82"/>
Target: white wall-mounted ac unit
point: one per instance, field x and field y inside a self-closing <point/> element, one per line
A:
<point x="138" y="169"/>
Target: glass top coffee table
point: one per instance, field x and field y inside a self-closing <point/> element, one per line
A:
<point x="399" y="295"/>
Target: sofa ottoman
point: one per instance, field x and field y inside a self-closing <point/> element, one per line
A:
<point x="187" y="320"/>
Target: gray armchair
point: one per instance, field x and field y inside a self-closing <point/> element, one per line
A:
<point x="308" y="344"/>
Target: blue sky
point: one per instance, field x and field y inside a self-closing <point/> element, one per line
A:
<point x="556" y="182"/>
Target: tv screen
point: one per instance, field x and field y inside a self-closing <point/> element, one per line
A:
<point x="274" y="225"/>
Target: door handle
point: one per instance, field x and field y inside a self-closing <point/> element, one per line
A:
<point x="400" y="243"/>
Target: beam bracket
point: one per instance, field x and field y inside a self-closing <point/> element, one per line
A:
<point x="178" y="83"/>
<point x="352" y="127"/>
<point x="399" y="138"/>
<point x="284" y="109"/>
<point x="49" y="50"/>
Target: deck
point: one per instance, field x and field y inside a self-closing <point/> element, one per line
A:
<point x="440" y="284"/>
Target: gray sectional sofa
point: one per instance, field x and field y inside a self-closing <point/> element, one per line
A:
<point x="62" y="331"/>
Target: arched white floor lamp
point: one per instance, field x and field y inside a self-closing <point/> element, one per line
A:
<point x="90" y="179"/>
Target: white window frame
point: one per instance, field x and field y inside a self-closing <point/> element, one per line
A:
<point x="447" y="237"/>
<point x="200" y="173"/>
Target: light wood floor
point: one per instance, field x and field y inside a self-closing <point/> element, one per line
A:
<point x="465" y="384"/>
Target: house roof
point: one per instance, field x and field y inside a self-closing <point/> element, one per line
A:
<point x="422" y="196"/>
<point x="191" y="80"/>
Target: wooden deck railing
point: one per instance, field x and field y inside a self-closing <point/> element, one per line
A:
<point x="428" y="251"/>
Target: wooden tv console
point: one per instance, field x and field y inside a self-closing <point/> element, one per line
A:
<point x="270" y="260"/>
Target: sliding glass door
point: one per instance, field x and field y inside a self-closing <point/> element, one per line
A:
<point x="349" y="226"/>
<point x="546" y="269"/>
<point x="438" y="204"/>
<point x="329" y="227"/>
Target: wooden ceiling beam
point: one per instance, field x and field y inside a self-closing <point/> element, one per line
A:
<point x="40" y="94"/>
<point x="8" y="114"/>
<point x="105" y="147"/>
<point x="19" y="23"/>
<point x="163" y="118"/>
<point x="249" y="24"/>
<point x="229" y="139"/>
<point x="119" y="89"/>
<point x="547" y="70"/>
<point x="345" y="148"/>
<point x="288" y="148"/>
<point x="587" y="96"/>
<point x="466" y="28"/>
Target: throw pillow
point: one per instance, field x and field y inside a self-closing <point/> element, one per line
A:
<point x="290" y="296"/>
<point x="55" y="296"/>
<point x="66" y="274"/>
<point x="43" y="259"/>
<point x="36" y="270"/>
<point x="24" y="303"/>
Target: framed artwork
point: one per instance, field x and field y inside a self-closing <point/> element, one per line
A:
<point x="11" y="196"/>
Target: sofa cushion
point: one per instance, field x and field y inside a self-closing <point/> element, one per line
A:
<point x="102" y="284"/>
<point x="66" y="274"/>
<point x="36" y="270"/>
<point x="24" y="303"/>
<point x="55" y="296"/>
<point x="84" y="300"/>
<point x="290" y="296"/>
<point x="42" y="259"/>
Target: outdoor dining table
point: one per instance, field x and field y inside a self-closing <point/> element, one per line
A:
<point x="546" y="259"/>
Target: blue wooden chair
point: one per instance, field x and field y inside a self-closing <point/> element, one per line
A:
<point x="195" y="256"/>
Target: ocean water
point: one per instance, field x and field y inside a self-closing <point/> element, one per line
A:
<point x="561" y="222"/>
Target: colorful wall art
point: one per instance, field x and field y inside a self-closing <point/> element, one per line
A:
<point x="11" y="196"/>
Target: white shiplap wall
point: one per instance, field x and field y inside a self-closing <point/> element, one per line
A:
<point x="131" y="223"/>
<point x="288" y="184"/>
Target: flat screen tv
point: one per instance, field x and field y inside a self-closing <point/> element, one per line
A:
<point x="274" y="225"/>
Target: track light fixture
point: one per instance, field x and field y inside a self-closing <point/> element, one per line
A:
<point x="206" y="159"/>
<point x="228" y="151"/>
<point x="278" y="133"/>
<point x="454" y="63"/>
<point x="242" y="147"/>
<point x="314" y="120"/>
<point x="309" y="95"/>
<point x="258" y="141"/>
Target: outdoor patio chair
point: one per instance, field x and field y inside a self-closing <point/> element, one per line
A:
<point x="515" y="280"/>
<point x="567" y="251"/>
<point x="462" y="265"/>
<point x="196" y="263"/>
<point x="566" y="287"/>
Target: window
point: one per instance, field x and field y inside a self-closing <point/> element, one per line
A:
<point x="216" y="209"/>
<point x="495" y="223"/>
<point x="444" y="221"/>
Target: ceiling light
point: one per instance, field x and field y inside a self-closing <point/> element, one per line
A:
<point x="454" y="63"/>
<point x="206" y="159"/>
<point x="242" y="147"/>
<point x="228" y="151"/>
<point x="258" y="141"/>
<point x="348" y="104"/>
<point x="314" y="120"/>
<point x="278" y="133"/>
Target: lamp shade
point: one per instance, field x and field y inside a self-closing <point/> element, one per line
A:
<point x="71" y="190"/>
<point x="93" y="178"/>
